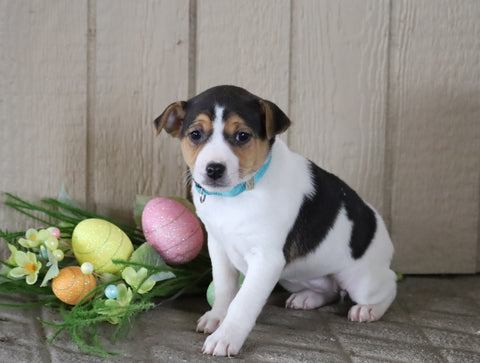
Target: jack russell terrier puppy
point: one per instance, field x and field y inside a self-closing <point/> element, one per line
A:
<point x="274" y="216"/>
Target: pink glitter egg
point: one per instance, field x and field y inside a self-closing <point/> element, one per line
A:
<point x="172" y="230"/>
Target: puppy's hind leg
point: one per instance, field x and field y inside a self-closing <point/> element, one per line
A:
<point x="309" y="299"/>
<point x="373" y="293"/>
<point x="321" y="291"/>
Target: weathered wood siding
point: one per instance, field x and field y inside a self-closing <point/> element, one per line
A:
<point x="385" y="94"/>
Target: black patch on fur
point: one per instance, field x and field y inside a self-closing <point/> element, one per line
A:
<point x="319" y="211"/>
<point x="236" y="100"/>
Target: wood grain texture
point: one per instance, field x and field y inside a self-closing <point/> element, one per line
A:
<point x="434" y="113"/>
<point x="42" y="101"/>
<point x="245" y="43"/>
<point x="338" y="89"/>
<point x="141" y="67"/>
<point x="385" y="94"/>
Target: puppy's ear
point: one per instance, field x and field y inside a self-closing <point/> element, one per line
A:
<point x="171" y="119"/>
<point x="276" y="121"/>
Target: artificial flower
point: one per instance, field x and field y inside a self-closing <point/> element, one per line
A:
<point x="32" y="239"/>
<point x="135" y="279"/>
<point x="27" y="266"/>
<point x="11" y="259"/>
<point x="115" y="308"/>
<point x="4" y="268"/>
<point x="43" y="234"/>
<point x="123" y="298"/>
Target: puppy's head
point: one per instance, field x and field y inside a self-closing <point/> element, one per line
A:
<point x="226" y="134"/>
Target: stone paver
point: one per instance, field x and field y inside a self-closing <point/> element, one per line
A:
<point x="433" y="319"/>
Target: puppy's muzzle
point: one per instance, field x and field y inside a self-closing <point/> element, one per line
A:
<point x="215" y="170"/>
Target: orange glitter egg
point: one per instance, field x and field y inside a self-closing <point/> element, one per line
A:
<point x="71" y="285"/>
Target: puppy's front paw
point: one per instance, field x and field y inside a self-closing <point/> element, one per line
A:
<point x="224" y="342"/>
<point x="209" y="322"/>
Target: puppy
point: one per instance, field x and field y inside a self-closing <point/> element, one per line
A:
<point x="274" y="216"/>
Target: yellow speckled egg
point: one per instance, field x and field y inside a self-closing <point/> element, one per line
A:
<point x="98" y="242"/>
<point x="71" y="285"/>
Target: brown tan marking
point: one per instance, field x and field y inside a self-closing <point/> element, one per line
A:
<point x="252" y="155"/>
<point x="276" y="121"/>
<point x="190" y="150"/>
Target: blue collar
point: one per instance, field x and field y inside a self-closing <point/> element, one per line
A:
<point x="240" y="188"/>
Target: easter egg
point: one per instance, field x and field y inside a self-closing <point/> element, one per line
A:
<point x="211" y="290"/>
<point x="185" y="202"/>
<point x="71" y="285"/>
<point x="211" y="294"/>
<point x="172" y="230"/>
<point x="98" y="242"/>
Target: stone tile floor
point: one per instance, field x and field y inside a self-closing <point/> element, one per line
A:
<point x="433" y="319"/>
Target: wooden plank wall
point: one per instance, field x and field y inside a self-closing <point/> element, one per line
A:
<point x="434" y="115"/>
<point x="386" y="94"/>
<point x="43" y="100"/>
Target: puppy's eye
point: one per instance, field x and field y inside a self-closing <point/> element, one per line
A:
<point x="195" y="136"/>
<point x="242" y="137"/>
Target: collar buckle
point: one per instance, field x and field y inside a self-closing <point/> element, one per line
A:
<point x="203" y="196"/>
<point x="250" y="184"/>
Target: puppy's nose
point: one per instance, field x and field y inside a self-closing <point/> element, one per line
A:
<point x="215" y="170"/>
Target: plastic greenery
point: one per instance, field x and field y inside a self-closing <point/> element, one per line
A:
<point x="38" y="255"/>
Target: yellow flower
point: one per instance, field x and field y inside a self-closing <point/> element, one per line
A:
<point x="135" y="278"/>
<point x="27" y="266"/>
<point x="11" y="259"/>
<point x="32" y="239"/>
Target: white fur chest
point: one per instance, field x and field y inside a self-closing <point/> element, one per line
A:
<point x="258" y="221"/>
<point x="244" y="226"/>
<point x="235" y="232"/>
